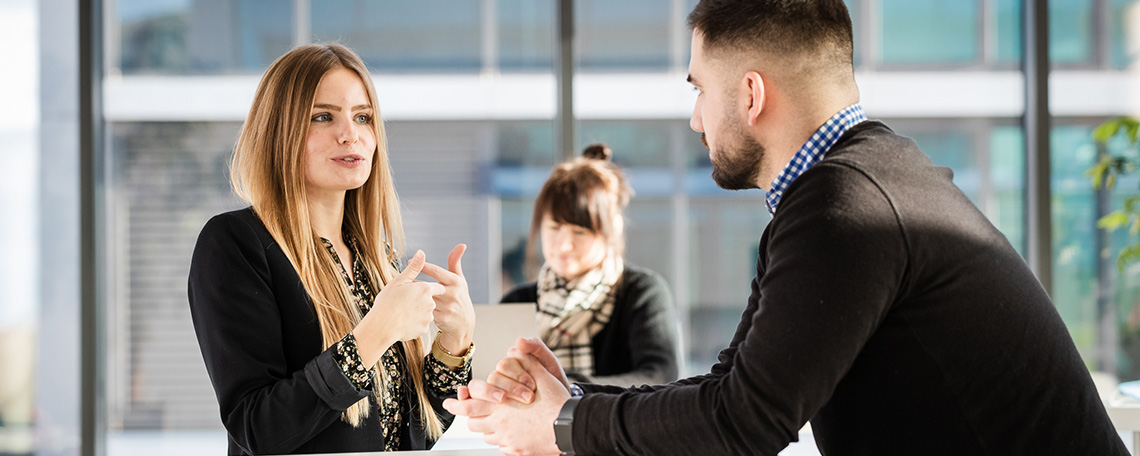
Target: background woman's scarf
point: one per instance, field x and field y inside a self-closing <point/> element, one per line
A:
<point x="571" y="313"/>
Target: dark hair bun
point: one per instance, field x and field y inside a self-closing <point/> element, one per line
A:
<point x="598" y="151"/>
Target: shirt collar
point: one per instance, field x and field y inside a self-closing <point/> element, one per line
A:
<point x="813" y="151"/>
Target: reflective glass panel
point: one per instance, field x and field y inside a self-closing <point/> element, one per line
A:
<point x="185" y="37"/>
<point x="626" y="34"/>
<point x="1124" y="33"/>
<point x="929" y="31"/>
<point x="526" y="35"/>
<point x="1070" y="31"/>
<point x="403" y="36"/>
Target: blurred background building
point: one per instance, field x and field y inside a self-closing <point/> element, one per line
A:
<point x="468" y="91"/>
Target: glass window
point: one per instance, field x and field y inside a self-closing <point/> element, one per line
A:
<point x="649" y="229"/>
<point x="1075" y="234"/>
<point x="1005" y="206"/>
<point x="1124" y="297"/>
<point x="526" y="35"/>
<point x="20" y="238"/>
<point x="626" y="34"/>
<point x="855" y="10"/>
<point x="1090" y="292"/>
<point x="527" y="142"/>
<point x="929" y="31"/>
<point x="516" y="216"/>
<point x="1007" y="30"/>
<point x="723" y="236"/>
<point x="402" y="36"/>
<point x="1070" y="31"/>
<point x="1124" y="33"/>
<point x="184" y="37"/>
<point x="525" y="156"/>
<point x="635" y="143"/>
<point x="169" y="179"/>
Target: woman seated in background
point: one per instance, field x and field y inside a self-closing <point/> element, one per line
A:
<point x="312" y="338"/>
<point x="608" y="321"/>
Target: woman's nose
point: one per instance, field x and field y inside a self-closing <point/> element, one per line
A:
<point x="565" y="242"/>
<point x="347" y="134"/>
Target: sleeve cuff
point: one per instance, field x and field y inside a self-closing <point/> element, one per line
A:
<point x="347" y="356"/>
<point x="330" y="384"/>
<point x="443" y="379"/>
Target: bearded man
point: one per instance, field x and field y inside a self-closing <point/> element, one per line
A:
<point x="886" y="309"/>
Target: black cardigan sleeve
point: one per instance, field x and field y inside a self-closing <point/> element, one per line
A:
<point x="645" y="327"/>
<point x="237" y="318"/>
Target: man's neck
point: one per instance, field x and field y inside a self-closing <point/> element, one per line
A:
<point x="784" y="137"/>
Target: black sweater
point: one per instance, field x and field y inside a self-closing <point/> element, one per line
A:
<point x="888" y="311"/>
<point x="278" y="391"/>
<point x="639" y="344"/>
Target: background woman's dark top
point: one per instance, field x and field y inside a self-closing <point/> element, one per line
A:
<point x="639" y="345"/>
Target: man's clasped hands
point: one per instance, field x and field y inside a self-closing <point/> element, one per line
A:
<point x="516" y="406"/>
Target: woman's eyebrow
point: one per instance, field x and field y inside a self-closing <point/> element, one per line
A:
<point x="333" y="107"/>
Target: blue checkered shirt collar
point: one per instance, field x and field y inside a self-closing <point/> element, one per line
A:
<point x="813" y="150"/>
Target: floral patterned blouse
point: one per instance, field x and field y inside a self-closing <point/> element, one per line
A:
<point x="439" y="378"/>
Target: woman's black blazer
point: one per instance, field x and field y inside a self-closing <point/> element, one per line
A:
<point x="278" y="389"/>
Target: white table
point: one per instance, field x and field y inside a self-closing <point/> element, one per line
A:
<point x="1123" y="410"/>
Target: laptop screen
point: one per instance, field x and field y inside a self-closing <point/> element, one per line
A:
<point x="497" y="326"/>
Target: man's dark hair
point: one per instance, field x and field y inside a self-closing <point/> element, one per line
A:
<point x="816" y="29"/>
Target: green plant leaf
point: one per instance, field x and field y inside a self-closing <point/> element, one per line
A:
<point x="1112" y="221"/>
<point x="1132" y="204"/>
<point x="1106" y="171"/>
<point x="1106" y="130"/>
<point x="1128" y="255"/>
<point x="1130" y="125"/>
<point x="1097" y="170"/>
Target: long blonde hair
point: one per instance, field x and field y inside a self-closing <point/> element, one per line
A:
<point x="268" y="171"/>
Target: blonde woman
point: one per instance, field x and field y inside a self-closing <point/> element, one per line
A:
<point x="313" y="340"/>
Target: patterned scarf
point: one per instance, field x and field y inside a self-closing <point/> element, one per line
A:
<point x="570" y="314"/>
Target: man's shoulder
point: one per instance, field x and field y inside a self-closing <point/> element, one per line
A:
<point x="872" y="155"/>
<point x="868" y="140"/>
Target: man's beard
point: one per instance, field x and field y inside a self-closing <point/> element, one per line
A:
<point x="736" y="168"/>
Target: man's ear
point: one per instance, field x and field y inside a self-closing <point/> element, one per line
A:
<point x="756" y="93"/>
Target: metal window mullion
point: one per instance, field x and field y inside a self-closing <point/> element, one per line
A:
<point x="873" y="32"/>
<point x="1035" y="67"/>
<point x="564" y="76"/>
<point x="980" y="131"/>
<point x="490" y="37"/>
<point x="1101" y="17"/>
<point x="987" y="41"/>
<point x="92" y="426"/>
<point x="681" y="244"/>
<point x="302" y="23"/>
<point x="678" y="34"/>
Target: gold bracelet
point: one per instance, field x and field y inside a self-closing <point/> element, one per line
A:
<point x="446" y="357"/>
